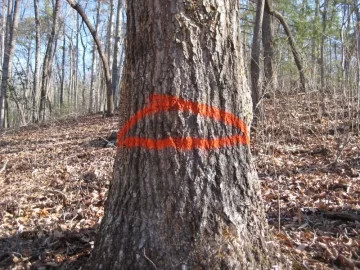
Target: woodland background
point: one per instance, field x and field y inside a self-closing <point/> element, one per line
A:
<point x="56" y="154"/>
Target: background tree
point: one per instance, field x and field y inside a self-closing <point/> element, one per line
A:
<point x="47" y="66"/>
<point x="37" y="61"/>
<point x="255" y="59"/>
<point x="10" y="39"/>
<point x="270" y="80"/>
<point x="104" y="60"/>
<point x="116" y="63"/>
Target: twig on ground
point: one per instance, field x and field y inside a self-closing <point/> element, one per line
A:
<point x="4" y="167"/>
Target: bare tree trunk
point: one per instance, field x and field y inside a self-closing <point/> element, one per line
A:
<point x="76" y="66"/>
<point x="47" y="66"/>
<point x="71" y="68"/>
<point x="110" y="97"/>
<point x="37" y="62"/>
<point x="84" y="45"/>
<point x="268" y="45"/>
<point x="3" y="32"/>
<point x="255" y="60"/>
<point x="314" y="43"/>
<point x="10" y="40"/>
<point x="184" y="194"/>
<point x="292" y="44"/>
<point x="93" y="64"/>
<point x="109" y="32"/>
<point x="357" y="32"/>
<point x="115" y="67"/>
<point x="323" y="37"/>
<point x="62" y="86"/>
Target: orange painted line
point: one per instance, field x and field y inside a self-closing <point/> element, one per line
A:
<point x="163" y="103"/>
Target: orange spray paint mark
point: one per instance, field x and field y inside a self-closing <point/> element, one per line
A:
<point x="165" y="103"/>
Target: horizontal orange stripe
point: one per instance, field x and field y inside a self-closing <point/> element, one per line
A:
<point x="186" y="143"/>
<point x="159" y="103"/>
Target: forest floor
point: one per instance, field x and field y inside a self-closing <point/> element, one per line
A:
<point x="54" y="181"/>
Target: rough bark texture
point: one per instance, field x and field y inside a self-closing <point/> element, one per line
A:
<point x="174" y="207"/>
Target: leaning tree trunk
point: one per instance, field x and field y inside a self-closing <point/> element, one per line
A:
<point x="104" y="60"/>
<point x="184" y="194"/>
<point x="291" y="41"/>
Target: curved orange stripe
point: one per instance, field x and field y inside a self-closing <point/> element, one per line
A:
<point x="160" y="103"/>
<point x="168" y="102"/>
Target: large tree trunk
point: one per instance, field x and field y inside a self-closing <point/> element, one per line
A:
<point x="184" y="193"/>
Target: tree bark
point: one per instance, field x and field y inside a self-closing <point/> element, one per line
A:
<point x="10" y="40"/>
<point x="255" y="60"/>
<point x="184" y="194"/>
<point x="292" y="44"/>
<point x="110" y="97"/>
